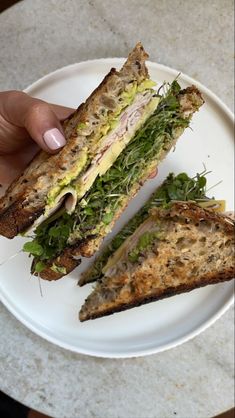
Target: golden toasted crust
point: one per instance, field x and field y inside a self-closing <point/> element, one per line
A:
<point x="25" y="199"/>
<point x="16" y="215"/>
<point x="196" y="249"/>
<point x="209" y="279"/>
<point x="190" y="210"/>
<point x="66" y="260"/>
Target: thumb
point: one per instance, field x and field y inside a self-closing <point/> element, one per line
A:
<point x="36" y="117"/>
<point x="44" y="127"/>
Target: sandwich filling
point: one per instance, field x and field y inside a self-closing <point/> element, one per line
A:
<point x="93" y="215"/>
<point x="136" y="105"/>
<point x="114" y="143"/>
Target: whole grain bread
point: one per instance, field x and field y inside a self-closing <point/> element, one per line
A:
<point x="190" y="101"/>
<point x="25" y="199"/>
<point x="196" y="249"/>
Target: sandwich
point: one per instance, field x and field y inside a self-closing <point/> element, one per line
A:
<point x="177" y="248"/>
<point x="70" y="201"/>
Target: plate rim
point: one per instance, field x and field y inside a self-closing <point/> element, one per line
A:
<point x="117" y="355"/>
<point x="147" y="351"/>
<point x="149" y="63"/>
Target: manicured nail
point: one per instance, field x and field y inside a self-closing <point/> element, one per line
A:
<point x="54" y="139"/>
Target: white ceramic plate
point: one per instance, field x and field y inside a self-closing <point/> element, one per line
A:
<point x="151" y="328"/>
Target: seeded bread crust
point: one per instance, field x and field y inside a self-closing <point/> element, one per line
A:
<point x="190" y="210"/>
<point x="25" y="199"/>
<point x="220" y="277"/>
<point x="190" y="100"/>
<point x="170" y="267"/>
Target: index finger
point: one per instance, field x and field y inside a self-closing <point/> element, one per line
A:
<point x="61" y="112"/>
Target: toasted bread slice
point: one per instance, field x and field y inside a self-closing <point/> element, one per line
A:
<point x="26" y="198"/>
<point x="190" y="101"/>
<point x="176" y="250"/>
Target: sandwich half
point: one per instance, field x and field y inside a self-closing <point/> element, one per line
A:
<point x="175" y="250"/>
<point x="180" y="187"/>
<point x="96" y="134"/>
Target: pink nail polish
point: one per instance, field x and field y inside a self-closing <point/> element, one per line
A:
<point x="54" y="139"/>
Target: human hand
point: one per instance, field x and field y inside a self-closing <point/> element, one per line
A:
<point x="27" y="124"/>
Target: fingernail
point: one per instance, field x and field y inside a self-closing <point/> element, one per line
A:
<point x="54" y="139"/>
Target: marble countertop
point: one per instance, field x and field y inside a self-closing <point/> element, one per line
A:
<point x="196" y="379"/>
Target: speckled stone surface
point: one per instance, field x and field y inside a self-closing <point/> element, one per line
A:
<point x="196" y="379"/>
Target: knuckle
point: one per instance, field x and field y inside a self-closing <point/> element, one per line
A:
<point x="37" y="107"/>
<point x="16" y="94"/>
<point x="35" y="110"/>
